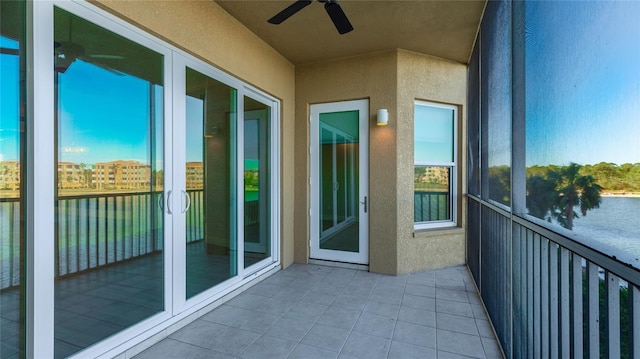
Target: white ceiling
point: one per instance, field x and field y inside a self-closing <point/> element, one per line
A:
<point x="445" y="29"/>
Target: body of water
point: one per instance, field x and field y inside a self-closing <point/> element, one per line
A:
<point x="615" y="223"/>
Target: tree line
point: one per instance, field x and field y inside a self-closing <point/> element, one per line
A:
<point x="564" y="193"/>
<point x="613" y="178"/>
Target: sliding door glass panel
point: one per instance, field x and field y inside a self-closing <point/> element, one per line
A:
<point x="211" y="255"/>
<point x="257" y="196"/>
<point x="12" y="117"/>
<point x="109" y="182"/>
<point x="339" y="181"/>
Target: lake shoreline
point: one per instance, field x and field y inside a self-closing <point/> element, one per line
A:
<point x="613" y="194"/>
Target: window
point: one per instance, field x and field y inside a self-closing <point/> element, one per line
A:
<point x="435" y="165"/>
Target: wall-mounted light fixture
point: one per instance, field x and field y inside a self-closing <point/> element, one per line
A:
<point x="383" y="117"/>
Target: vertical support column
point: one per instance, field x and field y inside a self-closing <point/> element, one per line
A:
<point x="39" y="181"/>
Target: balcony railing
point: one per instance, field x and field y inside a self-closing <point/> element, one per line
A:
<point x="431" y="206"/>
<point x="101" y="229"/>
<point x="549" y="296"/>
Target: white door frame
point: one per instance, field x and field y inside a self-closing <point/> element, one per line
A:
<point x="361" y="257"/>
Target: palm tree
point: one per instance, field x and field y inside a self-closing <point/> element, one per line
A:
<point x="541" y="196"/>
<point x="556" y="194"/>
<point x="574" y="190"/>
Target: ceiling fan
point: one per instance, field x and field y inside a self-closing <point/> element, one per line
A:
<point x="332" y="7"/>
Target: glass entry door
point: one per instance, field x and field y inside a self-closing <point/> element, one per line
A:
<point x="339" y="181"/>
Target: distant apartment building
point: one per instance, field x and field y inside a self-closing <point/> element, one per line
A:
<point x="10" y="175"/>
<point x="121" y="175"/>
<point x="432" y="174"/>
<point x="72" y="175"/>
<point x="195" y="175"/>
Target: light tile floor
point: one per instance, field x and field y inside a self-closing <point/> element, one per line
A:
<point x="313" y="311"/>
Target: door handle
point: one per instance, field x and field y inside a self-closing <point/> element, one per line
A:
<point x="188" y="201"/>
<point x="365" y="204"/>
<point x="169" y="202"/>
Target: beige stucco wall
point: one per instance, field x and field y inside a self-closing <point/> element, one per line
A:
<point x="370" y="77"/>
<point x="203" y="29"/>
<point x="422" y="77"/>
<point x="391" y="80"/>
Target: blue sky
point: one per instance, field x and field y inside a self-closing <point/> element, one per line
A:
<point x="583" y="82"/>
<point x="433" y="134"/>
<point x="99" y="123"/>
<point x="9" y="107"/>
<point x="583" y="93"/>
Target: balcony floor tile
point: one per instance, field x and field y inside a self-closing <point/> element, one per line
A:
<point x="304" y="311"/>
<point x="343" y="313"/>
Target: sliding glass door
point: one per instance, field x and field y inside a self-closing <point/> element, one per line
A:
<point x="257" y="237"/>
<point x="109" y="237"/>
<point x="211" y="173"/>
<point x="143" y="188"/>
<point x="222" y="197"/>
<point x="12" y="164"/>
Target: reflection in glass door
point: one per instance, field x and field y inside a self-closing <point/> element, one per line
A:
<point x="257" y="220"/>
<point x="211" y="253"/>
<point x="12" y="164"/>
<point x="109" y="183"/>
<point x="339" y="203"/>
<point x="338" y="187"/>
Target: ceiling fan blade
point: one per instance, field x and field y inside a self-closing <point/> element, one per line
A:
<point x="289" y="11"/>
<point x="338" y="16"/>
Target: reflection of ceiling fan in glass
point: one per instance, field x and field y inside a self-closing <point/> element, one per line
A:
<point x="68" y="52"/>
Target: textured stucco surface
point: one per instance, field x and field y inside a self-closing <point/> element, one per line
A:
<point x="370" y="77"/>
<point x="205" y="30"/>
<point x="422" y="77"/>
<point x="391" y="80"/>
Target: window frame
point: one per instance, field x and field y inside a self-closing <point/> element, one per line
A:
<point x="453" y="168"/>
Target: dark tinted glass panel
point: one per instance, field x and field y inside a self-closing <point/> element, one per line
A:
<point x="109" y="182"/>
<point x="12" y="164"/>
<point x="339" y="186"/>
<point x="211" y="182"/>
<point x="496" y="101"/>
<point x="257" y="195"/>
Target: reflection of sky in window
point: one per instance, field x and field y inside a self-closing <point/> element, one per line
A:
<point x="103" y="116"/>
<point x="10" y="102"/>
<point x="496" y="82"/>
<point x="433" y="134"/>
<point x="583" y="82"/>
